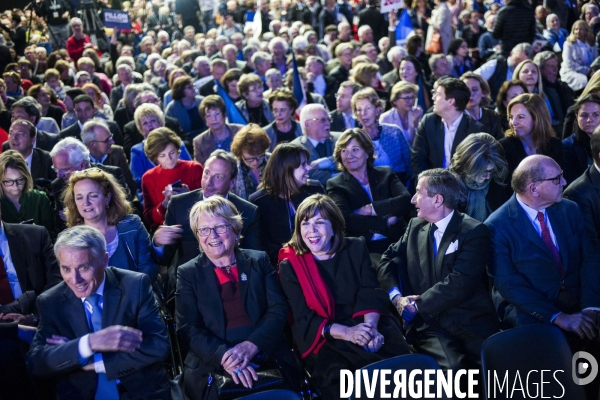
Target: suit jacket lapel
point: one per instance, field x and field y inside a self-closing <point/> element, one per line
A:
<point x="17" y="255"/>
<point x="111" y="299"/>
<point x="424" y="258"/>
<point x="556" y="222"/>
<point x="77" y="317"/>
<point x="461" y="131"/>
<point x="244" y="267"/>
<point x="437" y="142"/>
<point x="356" y="188"/>
<point x="311" y="149"/>
<point x="449" y="234"/>
<point x="523" y="225"/>
<point x="36" y="165"/>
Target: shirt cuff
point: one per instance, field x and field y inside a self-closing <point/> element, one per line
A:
<point x="592" y="309"/>
<point x="393" y="292"/>
<point x="85" y="350"/>
<point x="554" y="317"/>
<point x="158" y="250"/>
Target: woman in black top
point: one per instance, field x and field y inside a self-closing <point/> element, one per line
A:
<point x="285" y="185"/>
<point x="477" y="106"/>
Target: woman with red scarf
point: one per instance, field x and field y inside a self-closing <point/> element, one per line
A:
<point x="340" y="313"/>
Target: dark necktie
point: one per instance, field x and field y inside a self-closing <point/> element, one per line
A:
<point x="432" y="247"/>
<point x="6" y="294"/>
<point x="547" y="239"/>
<point x="106" y="389"/>
<point x="321" y="150"/>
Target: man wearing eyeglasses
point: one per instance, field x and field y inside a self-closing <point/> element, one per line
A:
<point x="85" y="110"/>
<point x="319" y="141"/>
<point x="100" y="142"/>
<point x="21" y="138"/>
<point x="542" y="260"/>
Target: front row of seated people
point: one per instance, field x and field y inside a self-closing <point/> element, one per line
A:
<point x="102" y="322"/>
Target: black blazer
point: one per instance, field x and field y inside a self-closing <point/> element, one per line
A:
<point x="207" y="88"/>
<point x="390" y="198"/>
<point x="492" y="123"/>
<point x="276" y="222"/>
<point x="575" y="156"/>
<point x="375" y="19"/>
<point x="41" y="165"/>
<point x="201" y="321"/>
<point x="452" y="287"/>
<point x="337" y="121"/>
<point x="428" y="145"/>
<point x="56" y="113"/>
<point x="122" y="117"/>
<point x="33" y="258"/>
<point x="132" y="136"/>
<point x="129" y="301"/>
<point x="75" y="131"/>
<point x="116" y="94"/>
<point x="585" y="191"/>
<point x="515" y="152"/>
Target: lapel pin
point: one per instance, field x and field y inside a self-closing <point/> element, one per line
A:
<point x="243" y="277"/>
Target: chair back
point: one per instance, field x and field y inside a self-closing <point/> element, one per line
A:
<point x="529" y="350"/>
<point x="15" y="381"/>
<point x="279" y="394"/>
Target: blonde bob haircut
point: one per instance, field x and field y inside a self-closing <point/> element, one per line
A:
<point x="363" y="73"/>
<point x="215" y="206"/>
<point x="542" y="124"/>
<point x="327" y="209"/>
<point x="148" y="110"/>
<point x="13" y="159"/>
<point x="118" y="206"/>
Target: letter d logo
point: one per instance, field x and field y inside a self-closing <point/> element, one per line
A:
<point x="581" y="368"/>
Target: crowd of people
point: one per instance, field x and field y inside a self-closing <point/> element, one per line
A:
<point x="303" y="185"/>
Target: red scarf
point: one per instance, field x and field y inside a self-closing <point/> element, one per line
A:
<point x="316" y="293"/>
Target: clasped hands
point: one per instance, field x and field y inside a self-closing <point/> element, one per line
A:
<point x="236" y="361"/>
<point x="365" y="335"/>
<point x="582" y="323"/>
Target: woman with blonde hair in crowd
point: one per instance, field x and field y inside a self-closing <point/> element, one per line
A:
<point x="478" y="102"/>
<point x="578" y="54"/>
<point x="94" y="198"/>
<point x="530" y="132"/>
<point x="19" y="201"/>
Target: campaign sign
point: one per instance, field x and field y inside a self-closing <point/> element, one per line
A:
<point x="389" y="5"/>
<point x="116" y="19"/>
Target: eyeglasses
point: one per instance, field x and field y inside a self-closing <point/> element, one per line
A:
<point x="213" y="116"/>
<point x="556" y="180"/>
<point x="219" y="230"/>
<point x="411" y="98"/>
<point x="11" y="182"/>
<point x="105" y="141"/>
<point x="250" y="160"/>
<point x="64" y="171"/>
<point x="321" y="120"/>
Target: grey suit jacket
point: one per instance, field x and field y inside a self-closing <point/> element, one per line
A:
<point x="326" y="168"/>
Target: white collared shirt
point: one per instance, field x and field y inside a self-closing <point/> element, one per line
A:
<point x="320" y="85"/>
<point x="11" y="272"/>
<point x="96" y="161"/>
<point x="85" y="351"/>
<point x="449" y="135"/>
<point x="532" y="215"/>
<point x="28" y="160"/>
<point x="441" y="225"/>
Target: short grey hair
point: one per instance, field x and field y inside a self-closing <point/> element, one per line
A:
<point x="249" y="49"/>
<point x="396" y="51"/>
<point x="261" y="56"/>
<point x="75" y="149"/>
<point x="82" y="237"/>
<point x="276" y="40"/>
<point x="548" y="19"/>
<point x="272" y="71"/>
<point x="227" y="157"/>
<point x="523" y="48"/>
<point x="362" y="30"/>
<point x="542" y="57"/>
<point x="216" y="206"/>
<point x="88" y="132"/>
<point x="75" y="19"/>
<point x="199" y="59"/>
<point x="299" y="43"/>
<point x="307" y="112"/>
<point x="443" y="182"/>
<point x="229" y="46"/>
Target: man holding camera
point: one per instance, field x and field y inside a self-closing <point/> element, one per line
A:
<point x="56" y="13"/>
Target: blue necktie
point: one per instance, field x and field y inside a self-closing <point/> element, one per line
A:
<point x="106" y="389"/>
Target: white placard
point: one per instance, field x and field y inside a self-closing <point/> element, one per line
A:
<point x="389" y="5"/>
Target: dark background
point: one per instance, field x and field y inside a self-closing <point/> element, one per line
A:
<point x="10" y="4"/>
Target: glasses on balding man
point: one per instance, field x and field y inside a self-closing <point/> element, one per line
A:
<point x="556" y="180"/>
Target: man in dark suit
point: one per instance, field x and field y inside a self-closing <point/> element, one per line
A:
<point x="218" y="67"/>
<point x="435" y="276"/>
<point x="84" y="111"/>
<point x="125" y="74"/>
<point x="440" y="132"/>
<point x="342" y="117"/>
<point x="21" y="139"/>
<point x="541" y="257"/>
<point x="31" y="269"/>
<point x="100" y="334"/>
<point x="68" y="156"/>
<point x="319" y="142"/>
<point x="27" y="109"/>
<point x="341" y="73"/>
<point x="371" y="17"/>
<point x="176" y="236"/>
<point x="585" y="191"/>
<point x="97" y="138"/>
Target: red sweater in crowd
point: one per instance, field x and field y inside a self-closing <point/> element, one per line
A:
<point x="75" y="47"/>
<point x="155" y="180"/>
